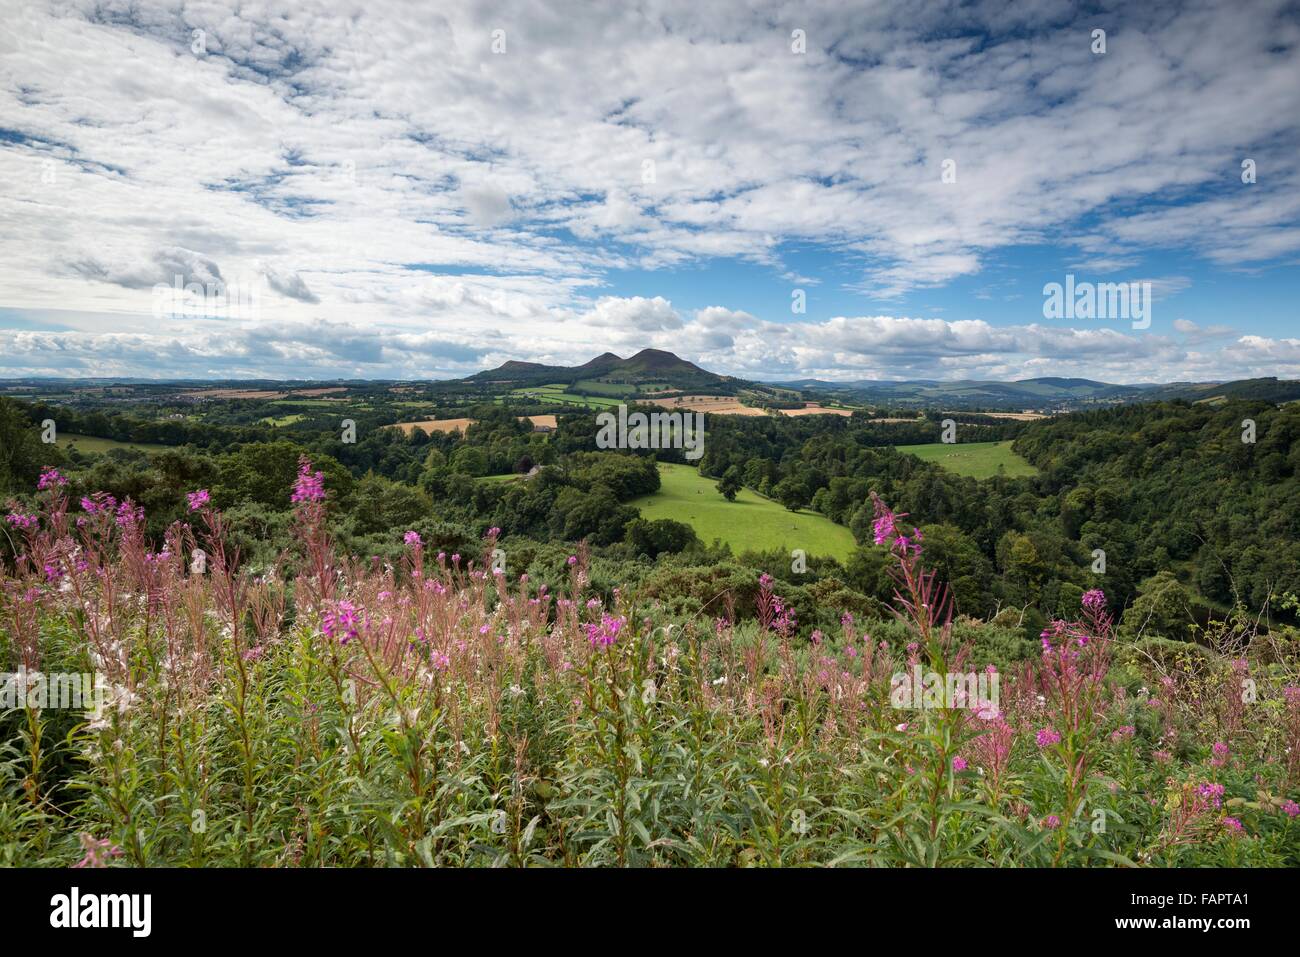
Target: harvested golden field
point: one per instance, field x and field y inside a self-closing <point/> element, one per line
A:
<point x="814" y="408"/>
<point x="435" y="425"/>
<point x="460" y="425"/>
<point x="541" y="420"/>
<point x="235" y="394"/>
<point x="1016" y="416"/>
<point x="716" y="404"/>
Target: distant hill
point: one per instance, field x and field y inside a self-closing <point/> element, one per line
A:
<point x="647" y="366"/>
<point x="1042" y="393"/>
<point x="1045" y="393"/>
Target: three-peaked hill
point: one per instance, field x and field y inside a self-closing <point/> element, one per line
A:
<point x="655" y="369"/>
<point x="646" y="367"/>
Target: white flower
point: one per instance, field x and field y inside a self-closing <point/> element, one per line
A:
<point x="720" y="681"/>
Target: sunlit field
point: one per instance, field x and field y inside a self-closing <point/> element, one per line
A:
<point x="751" y="522"/>
<point x="979" y="460"/>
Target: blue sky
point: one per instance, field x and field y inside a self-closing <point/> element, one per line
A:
<point x="391" y="192"/>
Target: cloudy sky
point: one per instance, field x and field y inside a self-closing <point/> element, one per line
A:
<point x="404" y="190"/>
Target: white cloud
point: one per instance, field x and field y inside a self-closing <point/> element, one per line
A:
<point x="385" y="170"/>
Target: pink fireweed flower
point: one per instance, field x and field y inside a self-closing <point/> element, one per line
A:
<point x="573" y="560"/>
<point x="19" y="520"/>
<point x="198" y="499"/>
<point x="1221" y="752"/>
<point x="440" y="661"/>
<point x="1094" y="600"/>
<point x="50" y="478"/>
<point x="412" y="538"/>
<point x="1047" y="737"/>
<point x="1291" y="809"/>
<point x="1211" y="792"/>
<point x="308" y="486"/>
<point x="99" y="503"/>
<point x="1119" y="734"/>
<point x="959" y="763"/>
<point x="1051" y="822"/>
<point x="1233" y="825"/>
<point x="886" y="531"/>
<point x="128" y="516"/>
<point x="493" y="532"/>
<point x="96" y="852"/>
<point x="605" y="633"/>
<point x="340" y="622"/>
<point x="884" y="526"/>
<point x="904" y="543"/>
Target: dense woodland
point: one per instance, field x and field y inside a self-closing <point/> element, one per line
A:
<point x="1193" y="522"/>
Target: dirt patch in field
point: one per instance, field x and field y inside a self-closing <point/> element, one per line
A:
<point x="315" y="392"/>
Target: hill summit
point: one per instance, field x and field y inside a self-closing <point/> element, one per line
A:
<point x="647" y="366"/>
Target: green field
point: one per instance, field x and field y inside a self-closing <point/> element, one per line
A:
<point x="283" y="420"/>
<point x="605" y="388"/>
<point x="89" y="443"/>
<point x="750" y="522"/>
<point x="321" y="403"/>
<point x="556" y="393"/>
<point x="979" y="460"/>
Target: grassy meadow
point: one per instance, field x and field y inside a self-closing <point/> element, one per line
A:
<point x="979" y="460"/>
<point x="91" y="443"/>
<point x="750" y="522"/>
